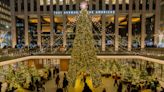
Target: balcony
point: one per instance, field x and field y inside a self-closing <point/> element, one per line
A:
<point x="10" y="53"/>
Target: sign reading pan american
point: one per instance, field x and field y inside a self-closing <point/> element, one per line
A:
<point x="91" y="12"/>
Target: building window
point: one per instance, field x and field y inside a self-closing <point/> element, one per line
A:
<point x="41" y="2"/>
<point x="35" y="5"/>
<point x="67" y="2"/>
<point x="16" y="5"/>
<point x="22" y="5"/>
<point x="48" y="2"/>
<point x="60" y="2"/>
<point x="120" y="4"/>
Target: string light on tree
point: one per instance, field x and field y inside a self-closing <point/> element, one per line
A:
<point x="84" y="61"/>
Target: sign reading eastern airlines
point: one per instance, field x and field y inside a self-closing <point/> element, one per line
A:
<point x="90" y="12"/>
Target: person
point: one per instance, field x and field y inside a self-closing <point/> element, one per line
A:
<point x="57" y="81"/>
<point x="42" y="88"/>
<point x="104" y="90"/>
<point x="139" y="87"/>
<point x="156" y="84"/>
<point x="86" y="88"/>
<point x="0" y="86"/>
<point x="152" y="87"/>
<point x="42" y="79"/>
<point x="162" y="89"/>
<point x="37" y="85"/>
<point x="134" y="88"/>
<point x="84" y="78"/>
<point x="128" y="88"/>
<point x="31" y="87"/>
<point x="54" y="71"/>
<point x="57" y="70"/>
<point x="32" y="79"/>
<point x="13" y="89"/>
<point x="119" y="87"/>
<point x="115" y="82"/>
<point x="65" y="83"/>
<point x="49" y="74"/>
<point x="115" y="79"/>
<point x="59" y="90"/>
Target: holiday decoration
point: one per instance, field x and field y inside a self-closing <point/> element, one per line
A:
<point x="23" y="75"/>
<point x="83" y="5"/>
<point x="34" y="73"/>
<point x="84" y="57"/>
<point x="12" y="78"/>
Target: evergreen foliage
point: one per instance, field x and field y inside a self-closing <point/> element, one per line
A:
<point x="84" y="54"/>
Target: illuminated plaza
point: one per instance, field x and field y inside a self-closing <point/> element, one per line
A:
<point x="123" y="40"/>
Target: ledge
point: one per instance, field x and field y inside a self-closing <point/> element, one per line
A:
<point x="68" y="57"/>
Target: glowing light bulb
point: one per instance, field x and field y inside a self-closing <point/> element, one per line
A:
<point x="83" y="5"/>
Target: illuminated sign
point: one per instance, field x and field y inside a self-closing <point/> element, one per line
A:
<point x="90" y="12"/>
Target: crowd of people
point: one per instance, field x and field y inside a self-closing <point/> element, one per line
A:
<point x="64" y="88"/>
<point x="152" y="85"/>
<point x="118" y="83"/>
<point x="36" y="84"/>
<point x="121" y="85"/>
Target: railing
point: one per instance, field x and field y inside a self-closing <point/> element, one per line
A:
<point x="6" y="54"/>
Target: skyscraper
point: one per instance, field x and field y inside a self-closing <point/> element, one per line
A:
<point x="5" y="23"/>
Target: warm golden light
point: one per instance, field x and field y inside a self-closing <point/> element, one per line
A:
<point x="46" y="29"/>
<point x="72" y="18"/>
<point x="47" y="19"/>
<point x="58" y="19"/>
<point x="60" y="28"/>
<point x="96" y="18"/>
<point x="123" y="23"/>
<point x="119" y="19"/>
<point x="135" y="20"/>
<point x="33" y="20"/>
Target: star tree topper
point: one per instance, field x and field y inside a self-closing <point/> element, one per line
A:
<point x="84" y="5"/>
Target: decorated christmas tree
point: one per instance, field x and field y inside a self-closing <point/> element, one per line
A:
<point x="11" y="78"/>
<point x="34" y="73"/>
<point x="84" y="54"/>
<point x="23" y="75"/>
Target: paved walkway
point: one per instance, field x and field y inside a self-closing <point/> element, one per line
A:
<point x="107" y="84"/>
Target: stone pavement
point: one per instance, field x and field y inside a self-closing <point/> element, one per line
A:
<point x="107" y="83"/>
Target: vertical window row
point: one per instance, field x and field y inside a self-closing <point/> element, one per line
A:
<point x="72" y="4"/>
